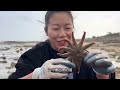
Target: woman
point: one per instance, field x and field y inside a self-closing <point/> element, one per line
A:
<point x="42" y="59"/>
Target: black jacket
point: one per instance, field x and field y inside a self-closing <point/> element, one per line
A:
<point x="40" y="53"/>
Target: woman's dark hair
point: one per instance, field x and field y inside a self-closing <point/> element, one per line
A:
<point x="50" y="13"/>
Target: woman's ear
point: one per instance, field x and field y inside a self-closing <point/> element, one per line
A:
<point x="46" y="31"/>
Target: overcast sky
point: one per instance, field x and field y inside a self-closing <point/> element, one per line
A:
<point x="23" y="25"/>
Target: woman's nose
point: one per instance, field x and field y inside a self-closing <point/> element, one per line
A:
<point x="62" y="33"/>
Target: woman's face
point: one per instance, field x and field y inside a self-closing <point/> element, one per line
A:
<point x="60" y="27"/>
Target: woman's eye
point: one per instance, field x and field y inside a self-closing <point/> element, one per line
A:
<point x="55" y="28"/>
<point x="68" y="28"/>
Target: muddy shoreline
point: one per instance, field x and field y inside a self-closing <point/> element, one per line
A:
<point x="11" y="51"/>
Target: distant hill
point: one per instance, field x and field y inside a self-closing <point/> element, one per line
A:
<point x="18" y="42"/>
<point x="109" y="38"/>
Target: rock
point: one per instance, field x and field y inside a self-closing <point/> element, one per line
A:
<point x="21" y="49"/>
<point x="3" y="61"/>
<point x="112" y="55"/>
<point x="4" y="49"/>
<point x="8" y="67"/>
<point x="13" y="64"/>
<point x="8" y="72"/>
<point x="118" y="60"/>
<point x="3" y="57"/>
<point x="16" y="58"/>
<point x="17" y="51"/>
<point x="117" y="57"/>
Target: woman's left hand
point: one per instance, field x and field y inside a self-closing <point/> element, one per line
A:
<point x="101" y="63"/>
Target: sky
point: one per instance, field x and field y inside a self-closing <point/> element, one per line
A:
<point x="24" y="25"/>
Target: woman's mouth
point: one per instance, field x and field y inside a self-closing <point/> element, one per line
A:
<point x="62" y="43"/>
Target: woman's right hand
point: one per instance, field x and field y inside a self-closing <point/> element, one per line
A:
<point x="53" y="69"/>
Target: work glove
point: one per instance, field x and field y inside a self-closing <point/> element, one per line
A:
<point x="100" y="63"/>
<point x="53" y="69"/>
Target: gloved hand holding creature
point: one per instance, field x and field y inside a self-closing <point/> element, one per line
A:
<point x="75" y="54"/>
